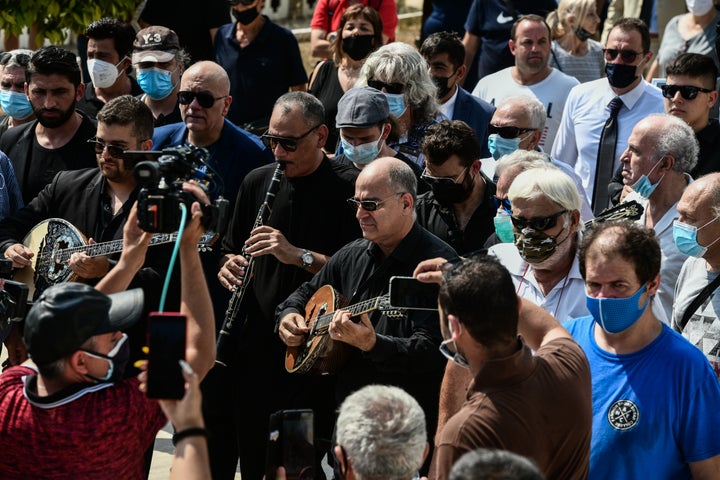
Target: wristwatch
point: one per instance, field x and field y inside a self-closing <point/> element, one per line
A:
<point x="307" y="259"/>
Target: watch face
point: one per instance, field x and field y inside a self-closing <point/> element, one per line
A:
<point x="307" y="258"/>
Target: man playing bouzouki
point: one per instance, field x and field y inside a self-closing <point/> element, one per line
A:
<point x="95" y="201"/>
<point x="393" y="351"/>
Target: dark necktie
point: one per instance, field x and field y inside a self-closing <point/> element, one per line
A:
<point x="606" y="158"/>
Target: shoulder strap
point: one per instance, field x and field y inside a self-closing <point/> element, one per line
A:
<point x="695" y="304"/>
<point x="511" y="9"/>
<point x="557" y="62"/>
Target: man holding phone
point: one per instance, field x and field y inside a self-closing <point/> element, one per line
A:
<point x="70" y="399"/>
<point x="402" y="352"/>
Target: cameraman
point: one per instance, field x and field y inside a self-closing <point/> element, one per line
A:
<point x="68" y="404"/>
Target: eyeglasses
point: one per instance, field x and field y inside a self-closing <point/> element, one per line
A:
<point x="505" y="202"/>
<point x="442" y="180"/>
<point x="389" y="87"/>
<point x="370" y="205"/>
<point x="289" y="144"/>
<point x="627" y="56"/>
<point x="688" y="92"/>
<point x="539" y="224"/>
<point x="115" y="151"/>
<point x="206" y="100"/>
<point x="508" y="132"/>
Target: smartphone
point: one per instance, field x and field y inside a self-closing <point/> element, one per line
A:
<point x="291" y="444"/>
<point x="166" y="340"/>
<point x="412" y="294"/>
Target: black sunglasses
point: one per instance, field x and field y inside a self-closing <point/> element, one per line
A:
<point x="505" y="202"/>
<point x="539" y="224"/>
<point x="688" y="92"/>
<point x="114" y="150"/>
<point x="369" y="205"/>
<point x="508" y="132"/>
<point x="627" y="56"/>
<point x="289" y="144"/>
<point x="22" y="59"/>
<point x="206" y="100"/>
<point x="442" y="180"/>
<point x="389" y="87"/>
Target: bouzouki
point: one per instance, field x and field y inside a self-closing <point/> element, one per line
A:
<point x="53" y="242"/>
<point x="320" y="354"/>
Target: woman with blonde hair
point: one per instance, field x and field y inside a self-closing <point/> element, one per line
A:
<point x="573" y="51"/>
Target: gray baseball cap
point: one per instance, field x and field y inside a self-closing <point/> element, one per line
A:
<point x="362" y="107"/>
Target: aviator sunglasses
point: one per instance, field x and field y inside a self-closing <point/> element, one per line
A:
<point x="114" y="150"/>
<point x="688" y="92"/>
<point x="442" y="180"/>
<point x="204" y="99"/>
<point x="539" y="224"/>
<point x="627" y="56"/>
<point x="370" y="205"/>
<point x="508" y="132"/>
<point x="289" y="144"/>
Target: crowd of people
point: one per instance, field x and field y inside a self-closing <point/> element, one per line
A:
<point x="520" y="157"/>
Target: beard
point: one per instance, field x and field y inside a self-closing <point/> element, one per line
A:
<point x="54" y="122"/>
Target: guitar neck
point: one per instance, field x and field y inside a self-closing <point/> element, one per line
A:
<point x="113" y="246"/>
<point x="366" y="306"/>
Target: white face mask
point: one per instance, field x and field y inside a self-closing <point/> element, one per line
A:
<point x="102" y="74"/>
<point x="699" y="7"/>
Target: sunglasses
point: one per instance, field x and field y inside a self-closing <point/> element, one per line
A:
<point x="204" y="99"/>
<point x="688" y="92"/>
<point x="504" y="202"/>
<point x="389" y="87"/>
<point x="369" y="205"/>
<point x="442" y="180"/>
<point x="539" y="224"/>
<point x="627" y="56"/>
<point x="100" y="146"/>
<point x="508" y="132"/>
<point x="22" y="59"/>
<point x="289" y="144"/>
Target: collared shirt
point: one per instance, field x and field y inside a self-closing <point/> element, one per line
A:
<point x="448" y="107"/>
<point x="586" y="111"/>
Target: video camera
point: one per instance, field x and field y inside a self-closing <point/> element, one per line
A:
<point x="13" y="299"/>
<point x="161" y="194"/>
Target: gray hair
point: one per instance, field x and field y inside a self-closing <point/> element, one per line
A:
<point x="382" y="429"/>
<point x="549" y="182"/>
<point x="490" y="464"/>
<point x="532" y="107"/>
<point x="522" y="160"/>
<point x="398" y="62"/>
<point x="403" y="178"/>
<point x="311" y="108"/>
<point x="676" y="138"/>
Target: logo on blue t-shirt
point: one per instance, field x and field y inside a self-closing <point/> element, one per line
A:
<point x="623" y="415"/>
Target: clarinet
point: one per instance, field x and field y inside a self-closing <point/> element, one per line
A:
<point x="223" y="341"/>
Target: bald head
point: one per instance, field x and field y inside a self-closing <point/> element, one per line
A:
<point x="396" y="173"/>
<point x="667" y="135"/>
<point x="703" y="193"/>
<point x="208" y="75"/>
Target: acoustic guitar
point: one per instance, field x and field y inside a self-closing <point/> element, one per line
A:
<point x="320" y="354"/>
<point x="53" y="242"/>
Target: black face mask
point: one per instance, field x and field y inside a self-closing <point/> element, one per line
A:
<point x="443" y="86"/>
<point x="358" y="47"/>
<point x="246" y="17"/>
<point x="620" y="75"/>
<point x="582" y="34"/>
<point x="448" y="194"/>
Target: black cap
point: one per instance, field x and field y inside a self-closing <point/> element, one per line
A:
<point x="67" y="315"/>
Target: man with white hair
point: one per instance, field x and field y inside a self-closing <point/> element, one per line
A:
<point x="661" y="150"/>
<point x="380" y="433"/>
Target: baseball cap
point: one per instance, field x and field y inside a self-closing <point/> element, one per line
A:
<point x="155" y="44"/>
<point x="362" y="107"/>
<point x="67" y="314"/>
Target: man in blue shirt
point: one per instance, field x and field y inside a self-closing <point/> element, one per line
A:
<point x="654" y="394"/>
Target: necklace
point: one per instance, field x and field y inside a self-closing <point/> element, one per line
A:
<point x="562" y="289"/>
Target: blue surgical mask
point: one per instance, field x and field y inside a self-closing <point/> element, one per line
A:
<point x="15" y="104"/>
<point x="155" y="82"/>
<point x="685" y="237"/>
<point x="503" y="227"/>
<point x="500" y="146"/>
<point x="615" y="315"/>
<point x="396" y="102"/>
<point x="643" y="187"/>
<point x="361" y="154"/>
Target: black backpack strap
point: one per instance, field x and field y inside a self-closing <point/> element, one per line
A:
<point x="695" y="304"/>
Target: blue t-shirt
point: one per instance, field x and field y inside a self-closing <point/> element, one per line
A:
<point x="654" y="410"/>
